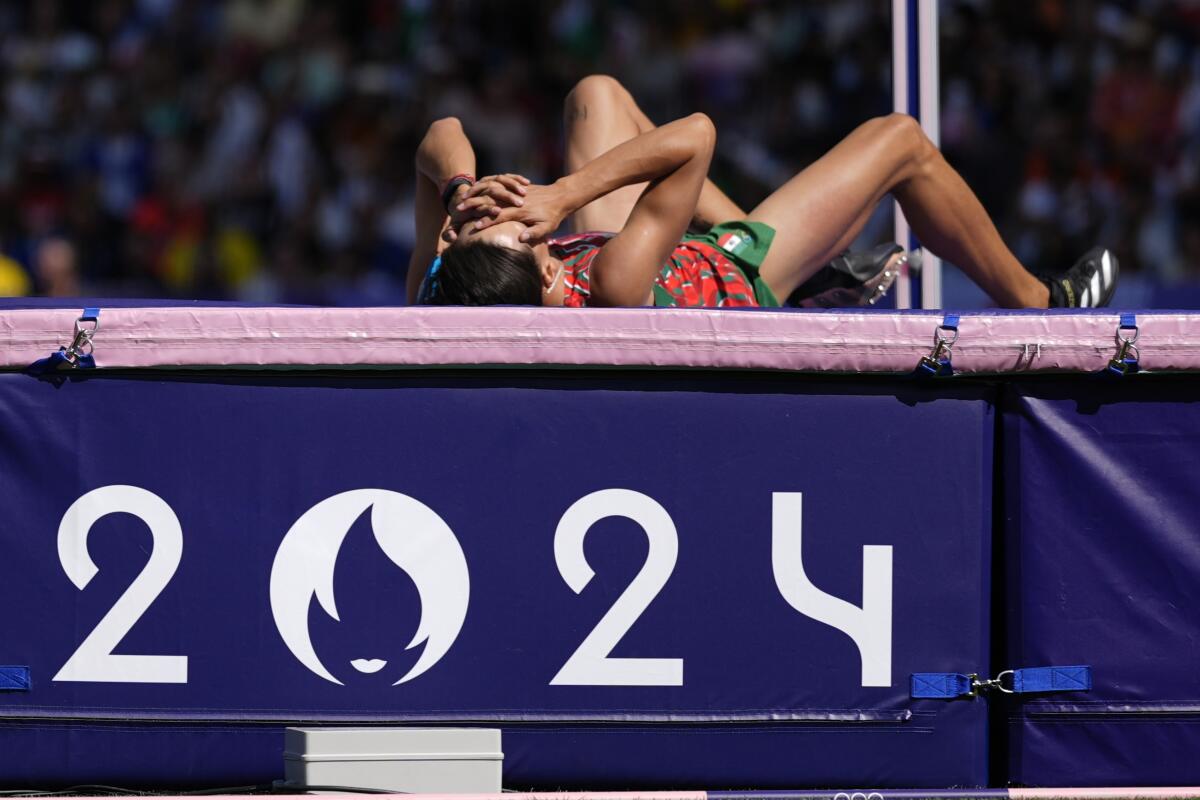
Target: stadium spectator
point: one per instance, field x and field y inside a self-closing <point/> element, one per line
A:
<point x="259" y="149"/>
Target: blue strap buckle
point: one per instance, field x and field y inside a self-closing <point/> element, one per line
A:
<point x="1051" y="679"/>
<point x="76" y="355"/>
<point x="14" y="679"/>
<point x="1125" y="362"/>
<point x="937" y="363"/>
<point x="949" y="685"/>
<point x="942" y="685"/>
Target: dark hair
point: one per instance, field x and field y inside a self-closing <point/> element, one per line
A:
<point x="485" y="274"/>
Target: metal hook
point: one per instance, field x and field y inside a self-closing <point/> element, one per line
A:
<point x="1127" y="357"/>
<point x="81" y="340"/>
<point x="938" y="360"/>
<point x="1030" y="352"/>
<point x="987" y="684"/>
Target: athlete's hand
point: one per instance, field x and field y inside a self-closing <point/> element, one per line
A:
<point x="485" y="198"/>
<point x="507" y="189"/>
<point x="543" y="210"/>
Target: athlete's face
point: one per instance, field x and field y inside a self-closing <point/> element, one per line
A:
<point x="507" y="234"/>
<point x="504" y="234"/>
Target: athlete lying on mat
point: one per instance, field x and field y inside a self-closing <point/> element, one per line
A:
<point x="633" y="189"/>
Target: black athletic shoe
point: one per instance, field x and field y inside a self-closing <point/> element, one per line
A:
<point x="1088" y="284"/>
<point x="851" y="279"/>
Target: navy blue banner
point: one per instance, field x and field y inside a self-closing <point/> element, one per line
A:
<point x="521" y="550"/>
<point x="1102" y="543"/>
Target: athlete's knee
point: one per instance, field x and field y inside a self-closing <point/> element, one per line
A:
<point x="904" y="137"/>
<point x="899" y="130"/>
<point x="705" y="131"/>
<point x="604" y="84"/>
<point x="444" y="124"/>
<point x="595" y="90"/>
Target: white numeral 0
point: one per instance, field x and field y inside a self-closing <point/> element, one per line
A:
<point x="94" y="659"/>
<point x="590" y="664"/>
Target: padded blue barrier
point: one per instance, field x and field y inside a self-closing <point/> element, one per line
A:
<point x="1101" y="498"/>
<point x="441" y="549"/>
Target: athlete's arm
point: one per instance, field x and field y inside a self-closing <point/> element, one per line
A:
<point x="623" y="273"/>
<point x="443" y="153"/>
<point x="674" y="160"/>
<point x="714" y="206"/>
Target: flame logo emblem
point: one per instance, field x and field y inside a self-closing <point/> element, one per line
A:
<point x="410" y="533"/>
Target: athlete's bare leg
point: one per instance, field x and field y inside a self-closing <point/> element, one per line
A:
<point x="818" y="213"/>
<point x="599" y="114"/>
<point x="597" y="120"/>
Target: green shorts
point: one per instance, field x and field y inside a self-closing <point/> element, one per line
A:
<point x="754" y="240"/>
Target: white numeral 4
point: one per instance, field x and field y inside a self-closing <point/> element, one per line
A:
<point x="870" y="626"/>
<point x="94" y="660"/>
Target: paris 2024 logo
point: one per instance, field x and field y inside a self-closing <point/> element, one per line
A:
<point x="411" y="534"/>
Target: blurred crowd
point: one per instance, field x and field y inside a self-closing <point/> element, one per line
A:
<point x="261" y="150"/>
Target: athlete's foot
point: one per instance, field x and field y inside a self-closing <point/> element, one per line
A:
<point x="853" y="279"/>
<point x="1088" y="284"/>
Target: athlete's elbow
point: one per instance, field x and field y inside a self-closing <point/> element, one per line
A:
<point x="439" y="132"/>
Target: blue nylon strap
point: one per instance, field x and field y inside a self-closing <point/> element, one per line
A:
<point x="940" y="685"/>
<point x="90" y="314"/>
<point x="14" y="679"/>
<point x="52" y="362"/>
<point x="949" y="685"/>
<point x="1052" y="679"/>
<point x="927" y="367"/>
<point x="951" y="322"/>
<point x="1128" y="320"/>
<point x="57" y="362"/>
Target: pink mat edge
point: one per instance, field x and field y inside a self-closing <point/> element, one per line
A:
<point x="1103" y="793"/>
<point x="848" y="341"/>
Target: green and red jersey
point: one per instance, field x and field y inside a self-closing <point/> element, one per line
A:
<point x="717" y="269"/>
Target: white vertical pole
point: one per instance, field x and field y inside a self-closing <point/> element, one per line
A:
<point x="930" y="116"/>
<point x="900" y="105"/>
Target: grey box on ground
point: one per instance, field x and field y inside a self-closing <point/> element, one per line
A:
<point x="436" y="760"/>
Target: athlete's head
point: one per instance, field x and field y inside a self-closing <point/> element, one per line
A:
<point x="494" y="267"/>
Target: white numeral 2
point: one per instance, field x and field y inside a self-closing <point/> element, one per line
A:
<point x="94" y="659"/>
<point x="590" y="664"/>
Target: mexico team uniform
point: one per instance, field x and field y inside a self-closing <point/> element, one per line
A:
<point x="719" y="268"/>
